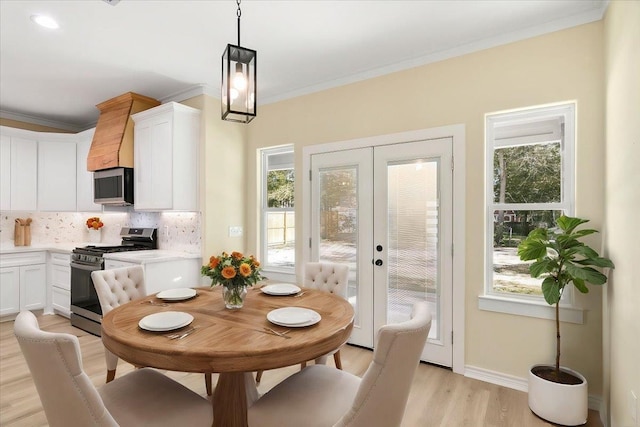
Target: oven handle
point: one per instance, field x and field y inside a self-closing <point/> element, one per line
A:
<point x="85" y="267"/>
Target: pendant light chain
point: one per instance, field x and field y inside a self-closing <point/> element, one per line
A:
<point x="238" y="14"/>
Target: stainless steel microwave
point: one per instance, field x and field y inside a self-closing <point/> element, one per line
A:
<point x="113" y="187"/>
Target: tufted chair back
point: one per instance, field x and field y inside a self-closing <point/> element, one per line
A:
<point x="118" y="286"/>
<point x="114" y="288"/>
<point x="144" y="397"/>
<point x="327" y="277"/>
<point x="67" y="393"/>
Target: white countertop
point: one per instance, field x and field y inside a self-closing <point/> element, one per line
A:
<point x="142" y="257"/>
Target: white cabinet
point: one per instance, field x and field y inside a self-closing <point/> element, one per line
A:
<point x="57" y="173"/>
<point x="84" y="177"/>
<point x="161" y="274"/>
<point x="9" y="290"/>
<point x="60" y="274"/>
<point x="23" y="284"/>
<point x="166" y="141"/>
<point x="19" y="171"/>
<point x="5" y="173"/>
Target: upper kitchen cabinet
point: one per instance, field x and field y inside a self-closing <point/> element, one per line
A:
<point x="112" y="144"/>
<point x="166" y="158"/>
<point x="57" y="172"/>
<point x="19" y="170"/>
<point x="84" y="185"/>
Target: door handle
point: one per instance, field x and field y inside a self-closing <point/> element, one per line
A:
<point x="378" y="262"/>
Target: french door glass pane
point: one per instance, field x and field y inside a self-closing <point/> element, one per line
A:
<point x="413" y="191"/>
<point x="339" y="222"/>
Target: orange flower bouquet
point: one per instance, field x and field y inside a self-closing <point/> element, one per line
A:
<point x="235" y="273"/>
<point x="94" y="223"/>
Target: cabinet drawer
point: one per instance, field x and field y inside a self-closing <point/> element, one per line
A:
<point x="60" y="259"/>
<point x="112" y="263"/>
<point x="23" y="258"/>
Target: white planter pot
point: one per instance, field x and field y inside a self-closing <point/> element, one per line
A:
<point x="559" y="403"/>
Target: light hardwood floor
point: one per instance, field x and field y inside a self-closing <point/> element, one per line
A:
<point x="438" y="397"/>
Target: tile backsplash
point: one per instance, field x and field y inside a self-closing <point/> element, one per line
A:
<point x="177" y="231"/>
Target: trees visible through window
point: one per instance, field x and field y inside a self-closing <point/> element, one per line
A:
<point x="529" y="185"/>
<point x="278" y="218"/>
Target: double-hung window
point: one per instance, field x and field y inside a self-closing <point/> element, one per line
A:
<point x="529" y="184"/>
<point x="278" y="216"/>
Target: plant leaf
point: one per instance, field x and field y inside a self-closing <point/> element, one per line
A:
<point x="579" y="283"/>
<point x="530" y="249"/>
<point x="568" y="224"/>
<point x="550" y="290"/>
<point x="586" y="252"/>
<point x="587" y="274"/>
<point x="598" y="262"/>
<point x="539" y="267"/>
<point x="585" y="232"/>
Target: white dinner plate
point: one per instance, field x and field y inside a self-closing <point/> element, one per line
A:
<point x="177" y="294"/>
<point x="280" y="289"/>
<point x="294" y="317"/>
<point x="165" y="321"/>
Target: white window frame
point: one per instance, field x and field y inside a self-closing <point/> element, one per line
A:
<point x="272" y="272"/>
<point x="544" y="129"/>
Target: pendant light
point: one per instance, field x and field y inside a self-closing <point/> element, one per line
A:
<point x="238" y="93"/>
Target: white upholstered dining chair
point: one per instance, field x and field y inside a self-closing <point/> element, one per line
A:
<point x="144" y="397"/>
<point x="116" y="287"/>
<point x="320" y="396"/>
<point x="328" y="277"/>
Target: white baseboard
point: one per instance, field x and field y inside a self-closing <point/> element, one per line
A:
<point x="516" y="383"/>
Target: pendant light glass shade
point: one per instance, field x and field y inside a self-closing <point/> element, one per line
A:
<point x="238" y="84"/>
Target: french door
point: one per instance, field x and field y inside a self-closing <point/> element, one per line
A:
<point x="386" y="211"/>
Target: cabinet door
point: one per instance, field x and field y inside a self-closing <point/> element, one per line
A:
<point x="153" y="164"/>
<point x="57" y="176"/>
<point x="24" y="174"/>
<point x="85" y="178"/>
<point x="61" y="301"/>
<point x="9" y="290"/>
<point x="5" y="173"/>
<point x="33" y="289"/>
<point x="61" y="276"/>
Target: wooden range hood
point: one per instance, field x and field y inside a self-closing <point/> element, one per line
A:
<point x="112" y="144"/>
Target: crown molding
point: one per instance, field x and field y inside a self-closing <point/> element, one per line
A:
<point x="26" y="118"/>
<point x="190" y="92"/>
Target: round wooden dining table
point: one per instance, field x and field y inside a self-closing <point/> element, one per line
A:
<point x="233" y="343"/>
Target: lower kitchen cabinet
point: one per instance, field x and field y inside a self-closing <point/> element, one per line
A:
<point x="23" y="282"/>
<point x="165" y="274"/>
<point x="60" y="274"/>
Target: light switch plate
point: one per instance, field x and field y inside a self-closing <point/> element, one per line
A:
<point x="235" y="231"/>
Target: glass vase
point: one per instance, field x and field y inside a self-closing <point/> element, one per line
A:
<point x="233" y="296"/>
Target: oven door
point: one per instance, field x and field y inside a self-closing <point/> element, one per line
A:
<point x="84" y="299"/>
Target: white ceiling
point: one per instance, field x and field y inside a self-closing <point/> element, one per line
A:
<point x="171" y="49"/>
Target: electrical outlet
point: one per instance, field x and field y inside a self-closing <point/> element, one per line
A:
<point x="633" y="407"/>
<point x="235" y="231"/>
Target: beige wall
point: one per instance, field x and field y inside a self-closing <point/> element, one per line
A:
<point x="223" y="193"/>
<point x="562" y="66"/>
<point x="622" y="313"/>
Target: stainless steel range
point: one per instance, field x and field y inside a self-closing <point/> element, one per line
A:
<point x="86" y="313"/>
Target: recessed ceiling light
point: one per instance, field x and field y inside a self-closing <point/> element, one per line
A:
<point x="45" y="21"/>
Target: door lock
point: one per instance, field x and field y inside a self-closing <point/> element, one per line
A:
<point x="378" y="262"/>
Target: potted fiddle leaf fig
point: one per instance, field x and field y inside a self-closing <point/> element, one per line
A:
<point x="556" y="393"/>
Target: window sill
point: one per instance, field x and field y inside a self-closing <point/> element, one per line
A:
<point x="541" y="310"/>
